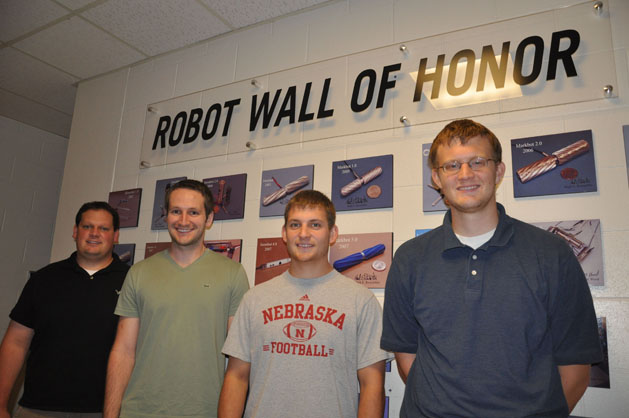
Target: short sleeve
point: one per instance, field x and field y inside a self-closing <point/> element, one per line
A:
<point x="369" y="333"/>
<point x="24" y="311"/>
<point x="240" y="287"/>
<point x="572" y="317"/>
<point x="237" y="342"/>
<point x="127" y="301"/>
<point x="400" y="329"/>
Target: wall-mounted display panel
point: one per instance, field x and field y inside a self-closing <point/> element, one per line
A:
<point x="584" y="238"/>
<point x="599" y="373"/>
<point x="364" y="183"/>
<point x="432" y="201"/>
<point x="229" y="196"/>
<point x="544" y="59"/>
<point x="364" y="258"/>
<point x="153" y="248"/>
<point x="553" y="164"/>
<point x="158" y="219"/>
<point x="272" y="259"/>
<point x="127" y="204"/>
<point x="278" y="186"/>
<point x="126" y="253"/>
<point x="229" y="248"/>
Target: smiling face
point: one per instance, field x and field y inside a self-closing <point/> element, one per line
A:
<point x="95" y="238"/>
<point x="187" y="220"/>
<point x="308" y="239"/>
<point x="468" y="191"/>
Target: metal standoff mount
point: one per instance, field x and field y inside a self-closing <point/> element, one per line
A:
<point x="251" y="145"/>
<point x="608" y="90"/>
<point x="256" y="83"/>
<point x="144" y="164"/>
<point x="153" y="109"/>
<point x="404" y="121"/>
<point x="404" y="48"/>
<point x="598" y="7"/>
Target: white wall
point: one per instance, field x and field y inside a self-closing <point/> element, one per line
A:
<point x="31" y="168"/>
<point x="105" y="141"/>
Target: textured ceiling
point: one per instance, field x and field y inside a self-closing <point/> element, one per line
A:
<point x="47" y="46"/>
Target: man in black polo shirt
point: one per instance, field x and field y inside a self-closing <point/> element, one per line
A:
<point x="488" y="316"/>
<point x="65" y="316"/>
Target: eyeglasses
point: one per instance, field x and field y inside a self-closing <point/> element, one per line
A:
<point x="476" y="164"/>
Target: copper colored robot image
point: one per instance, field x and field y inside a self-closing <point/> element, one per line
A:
<point x="285" y="190"/>
<point x="569" y="234"/>
<point x="360" y="180"/>
<point x="549" y="162"/>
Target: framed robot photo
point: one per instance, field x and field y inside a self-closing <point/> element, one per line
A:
<point x="583" y="236"/>
<point x="158" y="219"/>
<point x="153" y="248"/>
<point x="553" y="164"/>
<point x="363" y="183"/>
<point x="272" y="259"/>
<point x="278" y="186"/>
<point x="126" y="253"/>
<point x="230" y="248"/>
<point x="432" y="201"/>
<point x="228" y="193"/>
<point x="364" y="258"/>
<point x="127" y="204"/>
<point x="599" y="372"/>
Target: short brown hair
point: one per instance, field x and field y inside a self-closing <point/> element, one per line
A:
<point x="463" y="130"/>
<point x="208" y="200"/>
<point x="98" y="205"/>
<point x="312" y="198"/>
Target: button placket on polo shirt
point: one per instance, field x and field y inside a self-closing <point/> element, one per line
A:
<point x="474" y="272"/>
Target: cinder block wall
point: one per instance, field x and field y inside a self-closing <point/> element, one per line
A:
<point x="31" y="169"/>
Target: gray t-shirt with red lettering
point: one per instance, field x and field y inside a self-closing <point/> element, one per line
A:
<point x="306" y="339"/>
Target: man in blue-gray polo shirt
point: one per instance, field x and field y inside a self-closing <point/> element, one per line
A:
<point x="488" y="316"/>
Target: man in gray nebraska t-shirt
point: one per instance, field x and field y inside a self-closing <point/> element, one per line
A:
<point x="305" y="342"/>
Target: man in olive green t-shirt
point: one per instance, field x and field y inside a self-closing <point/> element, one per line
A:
<point x="175" y="310"/>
